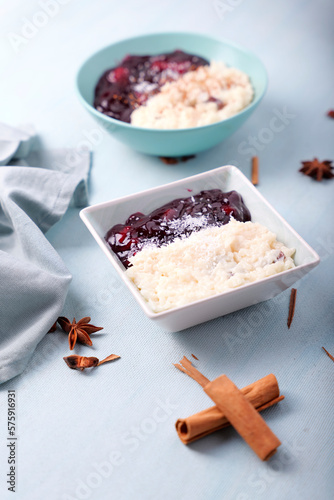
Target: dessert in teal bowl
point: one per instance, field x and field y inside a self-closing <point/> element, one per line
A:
<point x="171" y="94"/>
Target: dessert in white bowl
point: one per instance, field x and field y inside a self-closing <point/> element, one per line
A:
<point x="195" y="247"/>
<point x="99" y="218"/>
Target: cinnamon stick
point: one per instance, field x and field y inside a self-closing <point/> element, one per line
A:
<point x="261" y="394"/>
<point x="255" y="170"/>
<point x="292" y="306"/>
<point x="243" y="416"/>
<point x="236" y="408"/>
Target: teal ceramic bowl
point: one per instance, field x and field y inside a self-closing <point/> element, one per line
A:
<point x="178" y="142"/>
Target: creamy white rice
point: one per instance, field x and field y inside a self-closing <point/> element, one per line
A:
<point x="210" y="261"/>
<point x="207" y="95"/>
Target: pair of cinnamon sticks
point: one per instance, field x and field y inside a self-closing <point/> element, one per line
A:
<point x="239" y="408"/>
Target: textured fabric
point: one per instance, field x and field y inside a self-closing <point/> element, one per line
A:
<point x="33" y="279"/>
<point x="15" y="142"/>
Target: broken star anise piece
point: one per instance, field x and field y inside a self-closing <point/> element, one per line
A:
<point x="328" y="354"/>
<point x="317" y="169"/>
<point x="80" y="362"/>
<point x="53" y="327"/>
<point x="79" y="331"/>
<point x="109" y="358"/>
<point x="169" y="160"/>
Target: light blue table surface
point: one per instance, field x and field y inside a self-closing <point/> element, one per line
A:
<point x="110" y="433"/>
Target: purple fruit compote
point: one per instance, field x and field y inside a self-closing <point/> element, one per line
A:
<point x="122" y="89"/>
<point x="176" y="219"/>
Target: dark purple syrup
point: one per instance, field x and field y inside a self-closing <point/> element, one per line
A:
<point x="122" y="89"/>
<point x="176" y="219"/>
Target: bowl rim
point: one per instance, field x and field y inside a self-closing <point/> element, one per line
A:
<point x="114" y="122"/>
<point x="132" y="287"/>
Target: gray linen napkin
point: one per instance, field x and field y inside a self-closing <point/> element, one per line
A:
<point x="33" y="279"/>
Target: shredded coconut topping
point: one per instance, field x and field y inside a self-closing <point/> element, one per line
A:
<point x="209" y="94"/>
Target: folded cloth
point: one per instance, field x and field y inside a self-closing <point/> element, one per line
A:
<point x="33" y="279"/>
<point x="15" y="142"/>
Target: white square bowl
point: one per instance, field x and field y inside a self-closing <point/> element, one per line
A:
<point x="100" y="218"/>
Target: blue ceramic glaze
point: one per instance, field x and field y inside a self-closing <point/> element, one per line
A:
<point x="181" y="141"/>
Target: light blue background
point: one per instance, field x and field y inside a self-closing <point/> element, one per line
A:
<point x="70" y="423"/>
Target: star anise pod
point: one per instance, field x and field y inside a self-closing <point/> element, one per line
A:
<point x="80" y="362"/>
<point x="78" y="331"/>
<point x="317" y="169"/>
